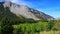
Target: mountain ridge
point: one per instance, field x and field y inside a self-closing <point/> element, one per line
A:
<point x="26" y="11"/>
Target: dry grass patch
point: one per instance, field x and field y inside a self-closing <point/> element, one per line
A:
<point x="50" y="32"/>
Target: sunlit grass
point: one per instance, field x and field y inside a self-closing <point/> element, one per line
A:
<point x="50" y="32"/>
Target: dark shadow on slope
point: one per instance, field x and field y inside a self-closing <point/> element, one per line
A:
<point x="7" y="19"/>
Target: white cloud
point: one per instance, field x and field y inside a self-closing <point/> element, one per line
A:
<point x="15" y="1"/>
<point x="21" y="2"/>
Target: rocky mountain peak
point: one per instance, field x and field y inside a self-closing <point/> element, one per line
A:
<point x="26" y="11"/>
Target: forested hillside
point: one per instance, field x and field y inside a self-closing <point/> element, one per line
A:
<point x="7" y="19"/>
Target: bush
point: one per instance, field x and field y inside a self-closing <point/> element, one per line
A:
<point x="26" y="28"/>
<point x="56" y="25"/>
<point x="30" y="28"/>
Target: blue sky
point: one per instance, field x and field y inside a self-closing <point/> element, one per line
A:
<point x="50" y="7"/>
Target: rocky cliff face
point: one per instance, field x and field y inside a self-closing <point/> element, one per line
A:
<point x="26" y="11"/>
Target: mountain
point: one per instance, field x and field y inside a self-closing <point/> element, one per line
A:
<point x="25" y="11"/>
